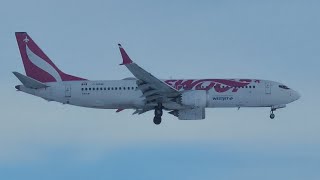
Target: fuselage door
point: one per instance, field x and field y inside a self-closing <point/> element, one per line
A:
<point x="68" y="90"/>
<point x="268" y="87"/>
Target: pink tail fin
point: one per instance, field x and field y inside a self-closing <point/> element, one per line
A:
<point x="37" y="64"/>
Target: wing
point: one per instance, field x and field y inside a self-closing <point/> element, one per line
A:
<point x="153" y="89"/>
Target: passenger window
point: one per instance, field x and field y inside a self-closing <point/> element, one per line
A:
<point x="81" y="89"/>
<point x="108" y="88"/>
<point x="86" y="89"/>
<point x="249" y="86"/>
<point x="115" y="88"/>
<point x="254" y="86"/>
<point x="119" y="88"/>
<point x="89" y="89"/>
<point x="124" y="88"/>
<point x="112" y="88"/>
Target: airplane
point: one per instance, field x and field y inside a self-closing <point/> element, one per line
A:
<point x="187" y="99"/>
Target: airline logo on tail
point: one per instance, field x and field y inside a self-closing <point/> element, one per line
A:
<point x="37" y="64"/>
<point x="26" y="40"/>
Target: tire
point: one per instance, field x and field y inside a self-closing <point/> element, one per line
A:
<point x="272" y="116"/>
<point x="157" y="120"/>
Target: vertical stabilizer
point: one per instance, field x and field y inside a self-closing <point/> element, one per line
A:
<point x="37" y="64"/>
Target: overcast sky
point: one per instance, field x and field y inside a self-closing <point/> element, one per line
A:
<point x="275" y="40"/>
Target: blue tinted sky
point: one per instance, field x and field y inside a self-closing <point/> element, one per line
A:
<point x="276" y="40"/>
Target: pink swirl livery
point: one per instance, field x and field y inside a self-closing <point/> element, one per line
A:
<point x="219" y="85"/>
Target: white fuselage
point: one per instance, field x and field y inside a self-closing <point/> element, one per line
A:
<point x="124" y="94"/>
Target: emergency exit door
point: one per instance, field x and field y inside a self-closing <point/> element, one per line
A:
<point x="268" y="87"/>
<point x="68" y="90"/>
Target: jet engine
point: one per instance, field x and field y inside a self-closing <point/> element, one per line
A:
<point x="193" y="99"/>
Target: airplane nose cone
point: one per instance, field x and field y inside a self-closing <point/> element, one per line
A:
<point x="296" y="95"/>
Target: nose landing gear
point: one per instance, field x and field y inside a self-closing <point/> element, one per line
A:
<point x="272" y="116"/>
<point x="157" y="114"/>
<point x="274" y="108"/>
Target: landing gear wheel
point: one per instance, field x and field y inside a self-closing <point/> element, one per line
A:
<point x="272" y="116"/>
<point x="157" y="114"/>
<point x="157" y="120"/>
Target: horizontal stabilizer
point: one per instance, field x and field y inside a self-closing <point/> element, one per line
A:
<point x="29" y="82"/>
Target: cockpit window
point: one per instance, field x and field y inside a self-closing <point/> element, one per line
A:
<point x="283" y="87"/>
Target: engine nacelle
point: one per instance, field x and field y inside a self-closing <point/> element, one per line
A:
<point x="190" y="114"/>
<point x="194" y="99"/>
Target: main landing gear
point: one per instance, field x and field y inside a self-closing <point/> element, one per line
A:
<point x="157" y="114"/>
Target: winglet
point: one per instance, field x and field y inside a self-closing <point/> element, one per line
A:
<point x="125" y="58"/>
